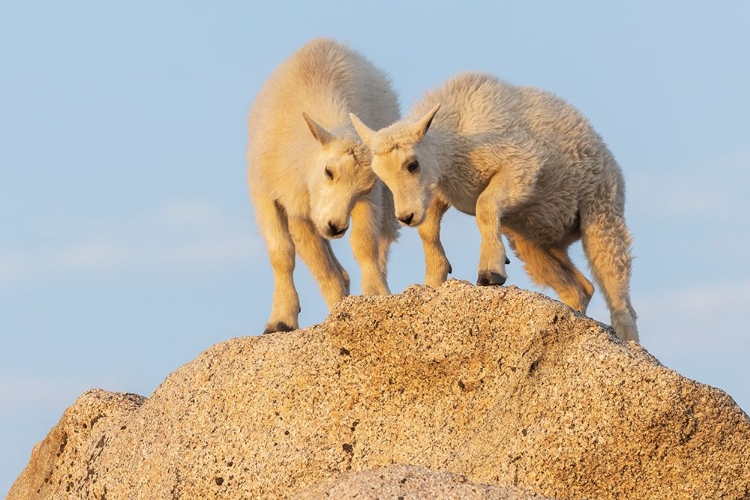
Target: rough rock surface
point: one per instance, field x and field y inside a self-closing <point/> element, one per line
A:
<point x="412" y="482"/>
<point x="502" y="386"/>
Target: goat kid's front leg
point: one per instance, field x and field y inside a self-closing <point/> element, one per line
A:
<point x="365" y="241"/>
<point x="317" y="254"/>
<point x="492" y="254"/>
<point x="437" y="266"/>
<point x="273" y="225"/>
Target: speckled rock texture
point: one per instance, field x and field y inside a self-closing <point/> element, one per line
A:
<point x="412" y="482"/>
<point x="502" y="386"/>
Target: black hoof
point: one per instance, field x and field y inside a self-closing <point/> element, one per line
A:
<point x="507" y="261"/>
<point x="487" y="278"/>
<point x="450" y="268"/>
<point x="280" y="327"/>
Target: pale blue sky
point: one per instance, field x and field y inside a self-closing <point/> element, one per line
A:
<point x="128" y="244"/>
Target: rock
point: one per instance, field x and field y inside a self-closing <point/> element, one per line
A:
<point x="414" y="483"/>
<point x="501" y="386"/>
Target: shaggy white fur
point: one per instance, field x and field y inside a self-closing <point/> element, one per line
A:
<point x="529" y="166"/>
<point x="309" y="173"/>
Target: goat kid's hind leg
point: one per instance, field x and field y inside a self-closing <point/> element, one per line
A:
<point x="316" y="252"/>
<point x="273" y="224"/>
<point x="606" y="242"/>
<point x="581" y="289"/>
<point x="552" y="267"/>
<point x="437" y="266"/>
<point x="365" y="241"/>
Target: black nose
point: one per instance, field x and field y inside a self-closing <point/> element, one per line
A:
<point x="407" y="220"/>
<point x="334" y="229"/>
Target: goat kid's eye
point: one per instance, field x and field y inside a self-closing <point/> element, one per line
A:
<point x="329" y="174"/>
<point x="413" y="166"/>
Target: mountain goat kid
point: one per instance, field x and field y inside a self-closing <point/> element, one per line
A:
<point x="529" y="166"/>
<point x="308" y="176"/>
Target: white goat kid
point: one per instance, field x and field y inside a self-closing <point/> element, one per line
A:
<point x="307" y="177"/>
<point x="529" y="166"/>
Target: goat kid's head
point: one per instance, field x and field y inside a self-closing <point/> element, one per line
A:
<point x="339" y="178"/>
<point x="404" y="164"/>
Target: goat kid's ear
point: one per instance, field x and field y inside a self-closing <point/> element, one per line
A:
<point x="321" y="135"/>
<point x="420" y="128"/>
<point x="363" y="131"/>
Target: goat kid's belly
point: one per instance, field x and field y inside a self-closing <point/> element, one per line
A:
<point x="466" y="207"/>
<point x="544" y="228"/>
<point x="462" y="197"/>
<point x="546" y="222"/>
